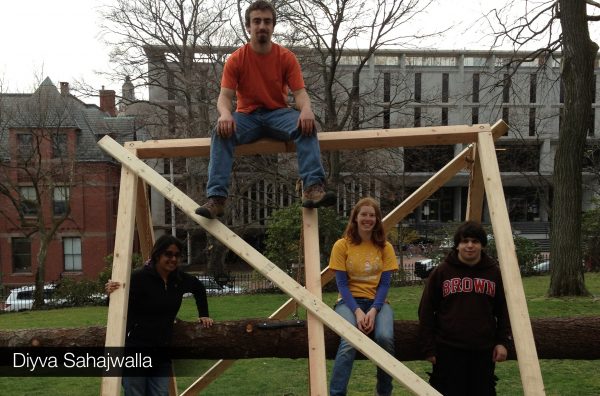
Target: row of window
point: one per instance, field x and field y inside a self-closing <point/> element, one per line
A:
<point x="21" y="255"/>
<point x="506" y="86"/>
<point x="30" y="202"/>
<point x="26" y="147"/>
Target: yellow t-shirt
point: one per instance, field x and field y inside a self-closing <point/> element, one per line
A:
<point x="363" y="264"/>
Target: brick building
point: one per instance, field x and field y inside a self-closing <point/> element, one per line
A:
<point x="54" y="175"/>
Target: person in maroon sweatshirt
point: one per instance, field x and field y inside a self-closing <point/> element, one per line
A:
<point x="463" y="318"/>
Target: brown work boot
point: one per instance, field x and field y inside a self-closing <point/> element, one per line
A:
<point x="315" y="196"/>
<point x="214" y="207"/>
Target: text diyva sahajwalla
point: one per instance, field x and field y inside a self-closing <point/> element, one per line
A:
<point x="71" y="360"/>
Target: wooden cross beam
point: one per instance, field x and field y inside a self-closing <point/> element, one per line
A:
<point x="354" y="140"/>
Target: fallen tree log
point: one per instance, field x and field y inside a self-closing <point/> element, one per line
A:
<point x="555" y="338"/>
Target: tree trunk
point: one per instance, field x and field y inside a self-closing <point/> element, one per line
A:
<point x="577" y="71"/>
<point x="556" y="338"/>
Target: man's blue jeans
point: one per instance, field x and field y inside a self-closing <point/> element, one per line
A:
<point x="280" y="124"/>
<point x="344" y="360"/>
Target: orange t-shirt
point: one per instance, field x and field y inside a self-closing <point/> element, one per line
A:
<point x="262" y="81"/>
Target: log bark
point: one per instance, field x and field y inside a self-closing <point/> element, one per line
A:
<point x="555" y="338"/>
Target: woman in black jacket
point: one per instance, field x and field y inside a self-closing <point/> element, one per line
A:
<point x="155" y="295"/>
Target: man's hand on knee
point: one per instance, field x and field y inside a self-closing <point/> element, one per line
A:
<point x="225" y="126"/>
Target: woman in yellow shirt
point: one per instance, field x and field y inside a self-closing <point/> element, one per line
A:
<point x="363" y="261"/>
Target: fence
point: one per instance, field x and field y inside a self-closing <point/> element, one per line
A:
<point x="412" y="271"/>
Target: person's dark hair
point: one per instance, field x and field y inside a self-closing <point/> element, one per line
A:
<point x="162" y="244"/>
<point x="351" y="232"/>
<point x="260" y="5"/>
<point x="470" y="229"/>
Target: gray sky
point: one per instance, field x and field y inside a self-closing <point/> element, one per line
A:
<point x="60" y="39"/>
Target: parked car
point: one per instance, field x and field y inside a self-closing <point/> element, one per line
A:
<point x="543" y="266"/>
<point x="21" y="298"/>
<point x="213" y="288"/>
<point x="424" y="267"/>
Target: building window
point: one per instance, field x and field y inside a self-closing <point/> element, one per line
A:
<point x="355" y="101"/>
<point x="506" y="89"/>
<point x="59" y="145"/>
<point x="505" y="114"/>
<point x="594" y="89"/>
<point x="21" y="252"/>
<point x="445" y="88"/>
<point x="592" y="122"/>
<point x="72" y="253"/>
<point x="417" y="87"/>
<point x="475" y="115"/>
<point x="561" y="95"/>
<point x="417" y="116"/>
<point x="475" y="87"/>
<point x="532" y="87"/>
<point x="29" y="201"/>
<point x="60" y="201"/>
<point x="25" y="146"/>
<point x="532" y="121"/>
<point x="172" y="120"/>
<point x="444" y="116"/>
<point x="386" y="100"/>
<point x="560" y="117"/>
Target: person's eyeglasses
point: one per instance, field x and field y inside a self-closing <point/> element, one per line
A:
<point x="169" y="254"/>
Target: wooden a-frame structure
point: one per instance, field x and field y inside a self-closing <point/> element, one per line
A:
<point x="479" y="157"/>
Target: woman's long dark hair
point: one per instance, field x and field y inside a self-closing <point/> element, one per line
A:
<point x="162" y="244"/>
<point x="378" y="234"/>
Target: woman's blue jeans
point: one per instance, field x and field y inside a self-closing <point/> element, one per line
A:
<point x="344" y="360"/>
<point x="155" y="384"/>
<point x="279" y="124"/>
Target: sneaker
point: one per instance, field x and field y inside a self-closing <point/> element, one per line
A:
<point x="315" y="196"/>
<point x="214" y="207"/>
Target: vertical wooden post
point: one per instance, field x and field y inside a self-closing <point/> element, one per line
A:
<point x="121" y="272"/>
<point x="476" y="189"/>
<point x="316" y="335"/>
<point x="529" y="366"/>
<point x="143" y="219"/>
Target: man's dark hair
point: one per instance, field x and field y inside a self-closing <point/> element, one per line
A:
<point x="470" y="229"/>
<point x="261" y="5"/>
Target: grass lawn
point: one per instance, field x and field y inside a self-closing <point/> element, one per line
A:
<point x="290" y="377"/>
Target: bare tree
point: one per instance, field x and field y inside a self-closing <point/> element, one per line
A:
<point x="562" y="25"/>
<point x="165" y="46"/>
<point x="333" y="32"/>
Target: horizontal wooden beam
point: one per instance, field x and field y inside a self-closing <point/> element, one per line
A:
<point x="349" y="140"/>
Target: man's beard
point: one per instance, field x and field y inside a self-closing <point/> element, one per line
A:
<point x="263" y="37"/>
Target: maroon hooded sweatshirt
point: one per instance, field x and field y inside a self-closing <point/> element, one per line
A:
<point x="463" y="306"/>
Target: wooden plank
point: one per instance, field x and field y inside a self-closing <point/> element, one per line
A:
<point x="350" y="140"/>
<point x="269" y="270"/>
<point x="208" y="377"/>
<point x="316" y="335"/>
<point x="531" y="376"/>
<point x="143" y="219"/>
<point x="499" y="129"/>
<point x="117" y="310"/>
<point x="476" y="190"/>
<point x="427" y="189"/>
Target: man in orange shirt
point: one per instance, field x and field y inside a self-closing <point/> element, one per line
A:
<point x="260" y="74"/>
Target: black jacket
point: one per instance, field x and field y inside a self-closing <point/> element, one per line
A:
<point x="463" y="306"/>
<point x="153" y="305"/>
